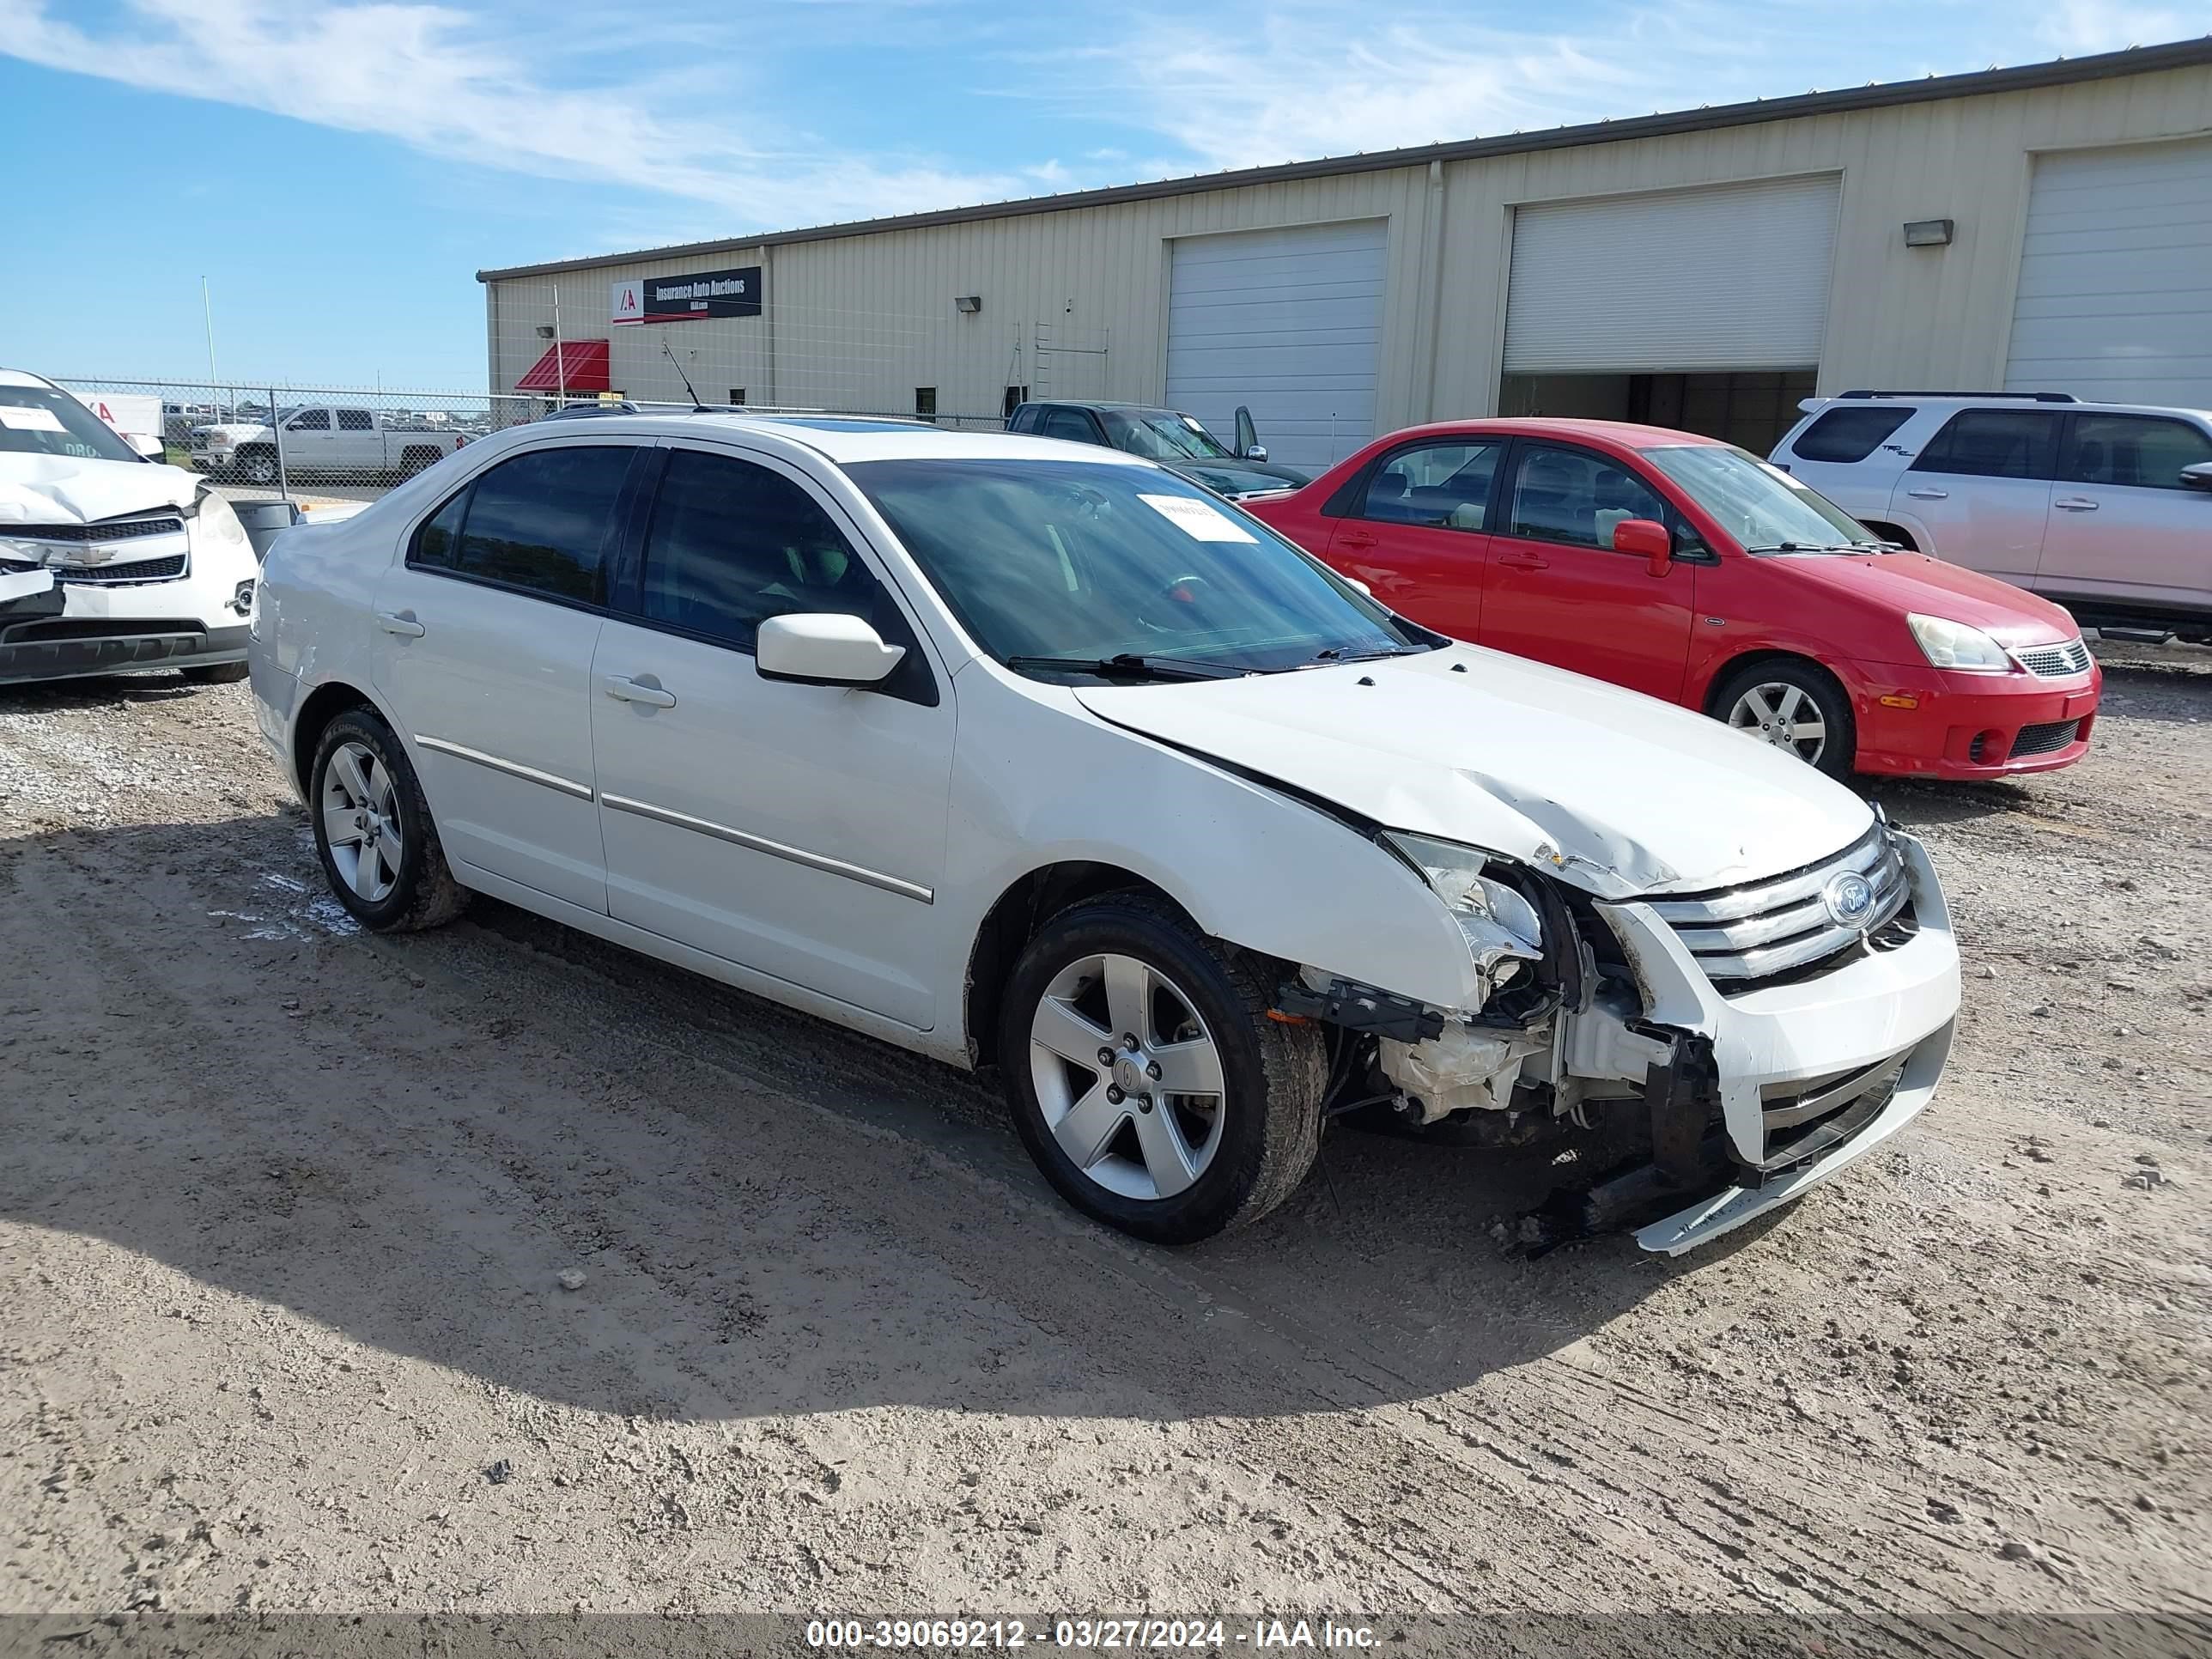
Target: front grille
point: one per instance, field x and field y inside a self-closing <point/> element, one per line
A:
<point x="2044" y="740"/>
<point x="110" y="576"/>
<point x="1743" y="936"/>
<point x="2053" y="662"/>
<point x="111" y="530"/>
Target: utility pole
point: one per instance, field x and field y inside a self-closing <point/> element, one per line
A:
<point x="207" y="311"/>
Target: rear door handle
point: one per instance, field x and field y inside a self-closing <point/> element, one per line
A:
<point x="1358" y="539"/>
<point x="1523" y="562"/>
<point x="1925" y="495"/>
<point x="400" y="622"/>
<point x="2075" y="504"/>
<point x="629" y="690"/>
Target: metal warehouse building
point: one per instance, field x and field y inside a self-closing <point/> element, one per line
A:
<point x="2048" y="226"/>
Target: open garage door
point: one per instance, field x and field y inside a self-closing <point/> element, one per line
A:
<point x="1698" y="308"/>
<point x="1287" y="322"/>
<point x="2115" y="298"/>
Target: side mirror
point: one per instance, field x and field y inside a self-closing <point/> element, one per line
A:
<point x="822" y="648"/>
<point x="1648" y="538"/>
<point x="1255" y="452"/>
<point x="1248" y="437"/>
<point x="2198" y="476"/>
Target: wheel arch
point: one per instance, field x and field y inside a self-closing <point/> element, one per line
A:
<point x="1727" y="669"/>
<point x="317" y="710"/>
<point x="1014" y="919"/>
<point x="1890" y="531"/>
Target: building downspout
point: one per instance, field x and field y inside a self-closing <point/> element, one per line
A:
<point x="1430" y="311"/>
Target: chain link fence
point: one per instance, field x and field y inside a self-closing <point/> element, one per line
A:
<point x="348" y="443"/>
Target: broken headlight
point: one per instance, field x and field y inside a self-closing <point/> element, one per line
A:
<point x="1501" y="927"/>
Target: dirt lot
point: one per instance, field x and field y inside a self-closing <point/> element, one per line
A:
<point x="283" y="1208"/>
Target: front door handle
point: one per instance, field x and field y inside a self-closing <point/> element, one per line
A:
<point x="400" y="622"/>
<point x="2075" y="504"/>
<point x="1523" y="562"/>
<point x="625" y="689"/>
<point x="1925" y="494"/>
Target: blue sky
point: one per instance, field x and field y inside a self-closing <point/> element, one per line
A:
<point x="339" y="171"/>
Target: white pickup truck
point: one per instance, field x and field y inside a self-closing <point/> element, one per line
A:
<point x="325" y="441"/>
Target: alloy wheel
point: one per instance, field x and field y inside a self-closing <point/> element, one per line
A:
<point x="1784" y="715"/>
<point x="1129" y="1079"/>
<point x="361" y="821"/>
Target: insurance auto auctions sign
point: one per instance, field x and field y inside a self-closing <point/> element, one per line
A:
<point x="136" y="416"/>
<point x="679" y="298"/>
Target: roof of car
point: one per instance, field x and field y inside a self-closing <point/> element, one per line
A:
<point x="1629" y="434"/>
<point x="840" y="439"/>
<point x="24" y="377"/>
<point x="1993" y="400"/>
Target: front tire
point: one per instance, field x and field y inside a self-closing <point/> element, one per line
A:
<point x="373" y="831"/>
<point x="1146" y="1078"/>
<point x="1798" y="707"/>
<point x="217" y="673"/>
<point x="258" y="467"/>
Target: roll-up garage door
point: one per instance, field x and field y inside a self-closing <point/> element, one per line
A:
<point x="1686" y="281"/>
<point x="2115" y="299"/>
<point x="1288" y="323"/>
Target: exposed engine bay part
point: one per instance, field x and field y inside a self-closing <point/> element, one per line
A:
<point x="1312" y="994"/>
<point x="1462" y="1068"/>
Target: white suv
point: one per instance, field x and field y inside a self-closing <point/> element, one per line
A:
<point x="1016" y="754"/>
<point x="2104" y="508"/>
<point x="110" y="561"/>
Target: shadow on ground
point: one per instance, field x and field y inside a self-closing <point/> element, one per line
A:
<point x="404" y="1140"/>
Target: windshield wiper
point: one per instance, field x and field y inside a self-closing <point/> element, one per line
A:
<point x="1336" y="654"/>
<point x="1129" y="665"/>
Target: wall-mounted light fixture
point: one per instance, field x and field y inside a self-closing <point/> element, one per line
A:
<point x="544" y="330"/>
<point x="968" y="304"/>
<point x="1928" y="232"/>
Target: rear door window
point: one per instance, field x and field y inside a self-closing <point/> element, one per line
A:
<point x="1993" y="443"/>
<point x="1443" y="486"/>
<point x="354" y="420"/>
<point x="1850" y="435"/>
<point x="541" y="522"/>
<point x="2145" y="452"/>
<point x="1072" y="424"/>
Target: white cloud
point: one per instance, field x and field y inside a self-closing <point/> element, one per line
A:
<point x="2081" y="27"/>
<point x="438" y="81"/>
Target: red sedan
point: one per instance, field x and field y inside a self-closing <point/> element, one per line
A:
<point x="1684" y="567"/>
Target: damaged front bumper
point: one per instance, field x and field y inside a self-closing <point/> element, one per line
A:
<point x="1811" y="1075"/>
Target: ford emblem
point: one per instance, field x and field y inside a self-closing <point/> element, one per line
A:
<point x="1850" y="899"/>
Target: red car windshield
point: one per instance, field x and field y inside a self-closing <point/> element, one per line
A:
<point x="1762" y="507"/>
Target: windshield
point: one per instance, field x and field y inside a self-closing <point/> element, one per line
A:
<point x="1080" y="563"/>
<point x="1765" y="509"/>
<point x="1161" y="435"/>
<point x="37" y="420"/>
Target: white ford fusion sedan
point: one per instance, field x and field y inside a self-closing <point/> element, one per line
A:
<point x="1036" y="756"/>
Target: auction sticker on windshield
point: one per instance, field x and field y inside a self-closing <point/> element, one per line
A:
<point x="1197" y="519"/>
<point x="33" y="419"/>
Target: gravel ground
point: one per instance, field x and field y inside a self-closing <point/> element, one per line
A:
<point x="284" y="1212"/>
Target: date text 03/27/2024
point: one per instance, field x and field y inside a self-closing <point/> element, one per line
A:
<point x="1092" y="1635"/>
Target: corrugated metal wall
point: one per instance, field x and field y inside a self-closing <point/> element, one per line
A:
<point x="860" y="322"/>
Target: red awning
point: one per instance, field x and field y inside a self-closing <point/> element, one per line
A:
<point x="572" y="366"/>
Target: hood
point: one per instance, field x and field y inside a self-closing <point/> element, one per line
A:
<point x="1237" y="478"/>
<point x="1620" y="793"/>
<point x="232" y="428"/>
<point x="1895" y="583"/>
<point x="61" y="489"/>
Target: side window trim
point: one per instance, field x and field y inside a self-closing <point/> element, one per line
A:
<point x="914" y="680"/>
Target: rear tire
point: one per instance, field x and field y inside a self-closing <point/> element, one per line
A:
<point x="217" y="673"/>
<point x="1167" y="1166"/>
<point x="374" y="832"/>
<point x="1798" y="706"/>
